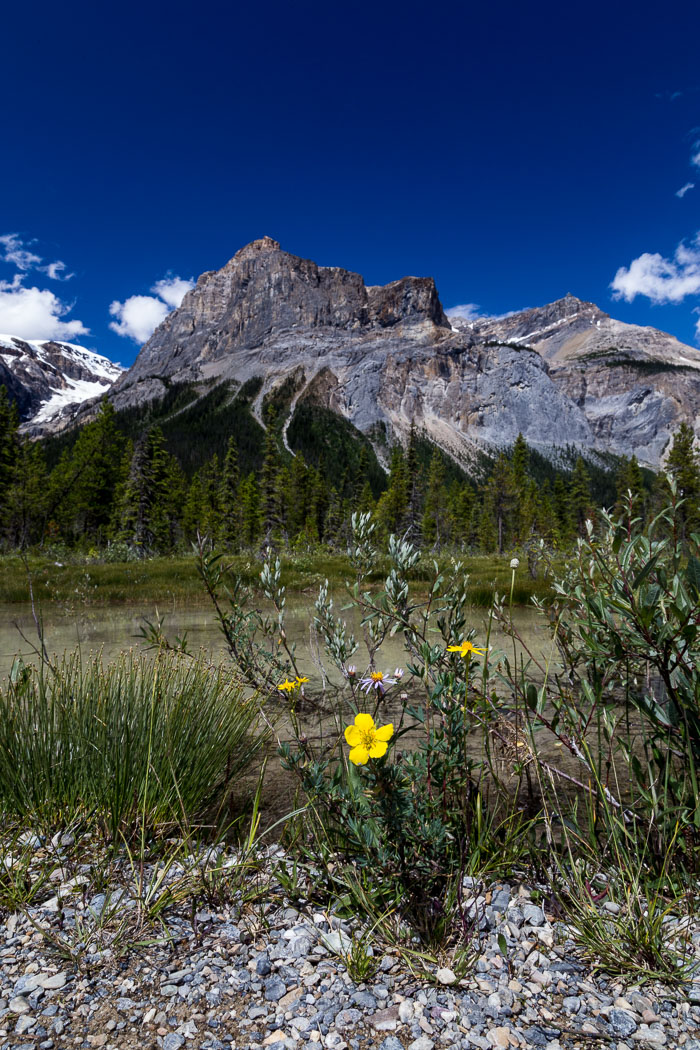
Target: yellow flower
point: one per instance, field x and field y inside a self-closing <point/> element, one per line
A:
<point x="465" y="649"/>
<point x="367" y="740"/>
<point x="287" y="686"/>
<point x="301" y="680"/>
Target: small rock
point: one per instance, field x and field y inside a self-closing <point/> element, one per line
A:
<point x="533" y="915"/>
<point x="421" y="1043"/>
<point x="406" y="1011"/>
<point x="274" y="989"/>
<point x="173" y="1041"/>
<point x="28" y="983"/>
<point x="19" y="1005"/>
<point x="446" y="976"/>
<point x="390" y="1043"/>
<point x="622" y="1022"/>
<point x="501" y="1037"/>
<point x="385" y="1020"/>
<point x="337" y="942"/>
<point x="53" y="981"/>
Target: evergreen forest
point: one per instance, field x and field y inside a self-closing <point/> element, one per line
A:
<point x="147" y="482"/>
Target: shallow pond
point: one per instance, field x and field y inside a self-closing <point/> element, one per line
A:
<point x="114" y="629"/>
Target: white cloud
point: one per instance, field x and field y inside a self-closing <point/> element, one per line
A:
<point x="661" y="280"/>
<point x="684" y="189"/>
<point x="695" y="159"/>
<point x="469" y="311"/>
<point x="15" y="251"/>
<point x="35" y="313"/>
<point x="55" y="270"/>
<point x="172" y="290"/>
<point x="139" y="315"/>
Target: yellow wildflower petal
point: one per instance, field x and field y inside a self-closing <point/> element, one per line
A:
<point x="454" y="648"/>
<point x="376" y="749"/>
<point x="353" y="736"/>
<point x="359" y="755"/>
<point x="385" y="732"/>
<point x="364" y="722"/>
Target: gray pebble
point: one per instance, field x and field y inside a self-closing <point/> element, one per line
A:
<point x="173" y="1041"/>
<point x="391" y="1043"/>
<point x="622" y="1022"/>
<point x="533" y="915"/>
<point x="274" y="989"/>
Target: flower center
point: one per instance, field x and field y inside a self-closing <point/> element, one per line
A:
<point x="376" y="676"/>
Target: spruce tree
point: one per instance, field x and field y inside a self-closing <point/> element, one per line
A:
<point x="580" y="496"/>
<point x="269" y="482"/>
<point x="393" y="503"/>
<point x="153" y="495"/>
<point x="501" y="499"/>
<point x="631" y="495"/>
<point x="435" y="511"/>
<point x="682" y="465"/>
<point x="251" y="518"/>
<point x="27" y="496"/>
<point x="230" y="531"/>
<point x="9" y="447"/>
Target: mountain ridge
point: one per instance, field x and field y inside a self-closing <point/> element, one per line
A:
<point x="386" y="358"/>
<point x="48" y="379"/>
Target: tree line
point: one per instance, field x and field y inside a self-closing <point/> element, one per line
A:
<point x="110" y="489"/>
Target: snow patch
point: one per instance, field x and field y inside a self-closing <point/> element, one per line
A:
<point x="75" y="392"/>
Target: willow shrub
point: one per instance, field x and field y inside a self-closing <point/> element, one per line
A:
<point x="157" y="741"/>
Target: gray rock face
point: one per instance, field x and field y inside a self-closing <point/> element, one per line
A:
<point x="633" y="384"/>
<point x="563" y="374"/>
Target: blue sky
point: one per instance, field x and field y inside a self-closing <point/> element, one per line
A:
<point x="513" y="152"/>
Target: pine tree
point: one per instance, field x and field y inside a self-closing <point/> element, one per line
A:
<point x="84" y="484"/>
<point x="251" y="521"/>
<point x="524" y="492"/>
<point x="562" y="513"/>
<point x="393" y="503"/>
<point x="461" y="512"/>
<point x="580" y="496"/>
<point x="230" y="531"/>
<point x="269" y="482"/>
<point x="414" y="488"/>
<point x="153" y="496"/>
<point x="9" y="447"/>
<point x="501" y="499"/>
<point x="435" y="512"/>
<point x="631" y="495"/>
<point x="682" y="465"/>
<point x="27" y="496"/>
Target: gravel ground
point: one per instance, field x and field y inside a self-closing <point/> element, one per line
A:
<point x="269" y="975"/>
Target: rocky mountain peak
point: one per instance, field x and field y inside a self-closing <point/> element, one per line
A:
<point x="384" y="357"/>
<point x="49" y="379"/>
<point x="263" y="244"/>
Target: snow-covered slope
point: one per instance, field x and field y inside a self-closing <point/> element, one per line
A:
<point x="47" y="379"/>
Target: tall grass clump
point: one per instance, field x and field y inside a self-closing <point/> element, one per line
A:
<point x="138" y="743"/>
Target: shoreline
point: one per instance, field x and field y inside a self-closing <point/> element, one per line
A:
<point x="257" y="967"/>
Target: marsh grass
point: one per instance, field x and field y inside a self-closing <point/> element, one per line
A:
<point x="140" y="743"/>
<point x="70" y="579"/>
